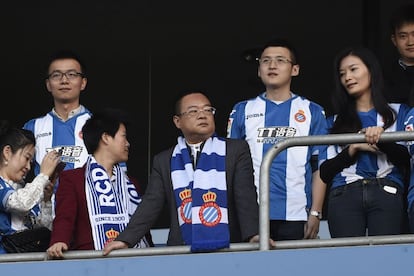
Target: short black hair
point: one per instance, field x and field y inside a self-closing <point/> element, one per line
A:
<point x="402" y="15"/>
<point x="107" y="120"/>
<point x="65" y="54"/>
<point x="280" y="42"/>
<point x="16" y="138"/>
<point x="181" y="95"/>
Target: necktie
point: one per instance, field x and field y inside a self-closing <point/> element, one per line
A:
<point x="195" y="152"/>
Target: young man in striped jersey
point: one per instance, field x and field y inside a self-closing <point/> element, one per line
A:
<point x="60" y="129"/>
<point x="296" y="191"/>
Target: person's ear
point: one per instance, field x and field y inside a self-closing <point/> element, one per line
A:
<point x="177" y="121"/>
<point x="295" y="70"/>
<point x="105" y="137"/>
<point x="47" y="82"/>
<point x="393" y="40"/>
<point x="84" y="82"/>
<point x="7" y="154"/>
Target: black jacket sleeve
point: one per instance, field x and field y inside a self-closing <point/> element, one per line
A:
<point x="399" y="156"/>
<point x="396" y="154"/>
<point x="333" y="166"/>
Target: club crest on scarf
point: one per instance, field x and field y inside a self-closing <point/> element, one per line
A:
<point x="186" y="203"/>
<point x="201" y="195"/>
<point x="210" y="214"/>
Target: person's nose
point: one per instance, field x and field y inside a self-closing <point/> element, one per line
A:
<point x="64" y="78"/>
<point x="411" y="39"/>
<point x="28" y="165"/>
<point x="347" y="76"/>
<point x="273" y="63"/>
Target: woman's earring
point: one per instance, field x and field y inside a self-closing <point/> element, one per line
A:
<point x="6" y="162"/>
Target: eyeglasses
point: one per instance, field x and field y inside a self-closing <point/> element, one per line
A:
<point x="192" y="112"/>
<point x="70" y="75"/>
<point x="279" y="60"/>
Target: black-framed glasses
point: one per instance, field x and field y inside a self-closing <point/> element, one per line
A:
<point x="279" y="60"/>
<point x="193" y="111"/>
<point x="70" y="75"/>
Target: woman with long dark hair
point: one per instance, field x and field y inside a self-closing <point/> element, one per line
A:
<point x="367" y="180"/>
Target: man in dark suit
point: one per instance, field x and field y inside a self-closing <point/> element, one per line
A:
<point x="227" y="187"/>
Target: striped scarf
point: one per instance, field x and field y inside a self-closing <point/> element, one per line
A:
<point x="201" y="195"/>
<point x="110" y="204"/>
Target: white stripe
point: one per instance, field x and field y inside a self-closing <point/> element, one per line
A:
<point x="41" y="125"/>
<point x="210" y="179"/>
<point x="196" y="218"/>
<point x="296" y="160"/>
<point x="251" y="137"/>
<point x="220" y="148"/>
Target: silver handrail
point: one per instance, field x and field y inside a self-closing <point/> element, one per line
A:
<point x="234" y="247"/>
<point x="263" y="217"/>
<point x="330" y="139"/>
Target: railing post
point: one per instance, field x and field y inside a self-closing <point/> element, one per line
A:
<point x="330" y="139"/>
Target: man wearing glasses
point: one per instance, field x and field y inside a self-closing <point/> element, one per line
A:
<point x="296" y="191"/>
<point x="207" y="182"/>
<point x="60" y="129"/>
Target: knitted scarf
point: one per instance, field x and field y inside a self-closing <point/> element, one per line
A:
<point x="110" y="204"/>
<point x="201" y="195"/>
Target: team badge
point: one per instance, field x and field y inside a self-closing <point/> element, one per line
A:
<point x="210" y="214"/>
<point x="300" y="116"/>
<point x="186" y="204"/>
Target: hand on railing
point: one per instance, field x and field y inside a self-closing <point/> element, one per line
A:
<point x="255" y="238"/>
<point x="56" y="250"/>
<point x="113" y="245"/>
<point x="372" y="134"/>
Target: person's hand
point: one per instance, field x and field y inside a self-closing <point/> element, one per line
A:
<point x="372" y="134"/>
<point x="354" y="148"/>
<point x="49" y="163"/>
<point x="48" y="192"/>
<point x="56" y="250"/>
<point x="312" y="228"/>
<point x="59" y="168"/>
<point x="113" y="245"/>
<point x="256" y="238"/>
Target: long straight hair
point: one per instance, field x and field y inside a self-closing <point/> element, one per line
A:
<point x="344" y="105"/>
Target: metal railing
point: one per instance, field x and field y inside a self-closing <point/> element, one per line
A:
<point x="331" y="139"/>
<point x="264" y="212"/>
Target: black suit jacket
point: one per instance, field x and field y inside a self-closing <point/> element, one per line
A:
<point x="399" y="83"/>
<point x="243" y="210"/>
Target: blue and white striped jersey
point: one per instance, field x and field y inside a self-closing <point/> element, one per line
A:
<point x="262" y="123"/>
<point x="52" y="133"/>
<point x="370" y="165"/>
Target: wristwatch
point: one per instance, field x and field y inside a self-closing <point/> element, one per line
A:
<point x="316" y="214"/>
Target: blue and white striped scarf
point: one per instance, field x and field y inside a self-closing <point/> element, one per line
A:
<point x="110" y="204"/>
<point x="201" y="195"/>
